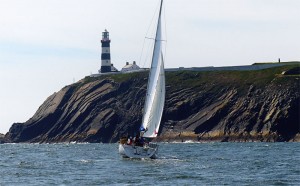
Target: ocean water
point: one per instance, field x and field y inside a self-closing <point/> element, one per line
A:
<point x="178" y="164"/>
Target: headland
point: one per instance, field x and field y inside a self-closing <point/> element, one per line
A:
<point x="257" y="104"/>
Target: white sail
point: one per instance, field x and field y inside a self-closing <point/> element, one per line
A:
<point x="154" y="105"/>
<point x="155" y="97"/>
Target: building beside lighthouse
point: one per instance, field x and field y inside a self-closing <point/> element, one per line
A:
<point x="131" y="67"/>
<point x="106" y="65"/>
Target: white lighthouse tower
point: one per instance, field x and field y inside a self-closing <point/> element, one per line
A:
<point x="105" y="55"/>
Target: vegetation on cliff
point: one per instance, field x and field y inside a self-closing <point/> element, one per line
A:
<point x="260" y="105"/>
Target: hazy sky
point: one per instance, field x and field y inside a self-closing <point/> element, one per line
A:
<point x="47" y="44"/>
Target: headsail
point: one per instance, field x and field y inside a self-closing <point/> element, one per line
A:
<point x="155" y="97"/>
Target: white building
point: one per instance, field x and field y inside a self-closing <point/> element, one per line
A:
<point x="113" y="69"/>
<point x="130" y="67"/>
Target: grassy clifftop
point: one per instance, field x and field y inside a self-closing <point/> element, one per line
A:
<point x="259" y="77"/>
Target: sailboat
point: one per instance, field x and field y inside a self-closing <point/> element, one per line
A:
<point x="154" y="103"/>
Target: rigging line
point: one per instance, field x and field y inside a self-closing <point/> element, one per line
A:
<point x="140" y="61"/>
<point x="155" y="39"/>
<point x="142" y="53"/>
<point x="150" y="38"/>
<point x="151" y="23"/>
<point x="149" y="46"/>
<point x="165" y="20"/>
<point x="166" y="36"/>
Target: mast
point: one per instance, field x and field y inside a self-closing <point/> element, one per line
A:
<point x="157" y="27"/>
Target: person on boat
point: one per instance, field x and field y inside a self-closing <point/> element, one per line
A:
<point x="142" y="131"/>
<point x="129" y="141"/>
<point x="139" y="141"/>
<point x="142" y="141"/>
<point x="136" y="140"/>
<point x="123" y="140"/>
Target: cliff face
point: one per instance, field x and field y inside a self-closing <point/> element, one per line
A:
<point x="3" y="139"/>
<point x="223" y="106"/>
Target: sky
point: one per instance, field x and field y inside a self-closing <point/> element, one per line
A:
<point x="48" y="44"/>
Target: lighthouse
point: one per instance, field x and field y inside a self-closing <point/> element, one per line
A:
<point x="105" y="55"/>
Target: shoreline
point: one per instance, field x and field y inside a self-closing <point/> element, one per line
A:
<point x="185" y="139"/>
<point x="190" y="136"/>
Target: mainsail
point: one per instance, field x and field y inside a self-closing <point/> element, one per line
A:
<point x="155" y="97"/>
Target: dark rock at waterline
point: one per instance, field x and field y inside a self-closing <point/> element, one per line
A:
<point x="260" y="105"/>
<point x="3" y="139"/>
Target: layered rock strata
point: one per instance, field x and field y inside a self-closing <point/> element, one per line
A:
<point x="260" y="105"/>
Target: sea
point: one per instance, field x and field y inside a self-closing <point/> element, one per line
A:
<point x="178" y="164"/>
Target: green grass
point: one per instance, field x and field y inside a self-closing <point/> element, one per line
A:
<point x="199" y="80"/>
<point x="127" y="76"/>
<point x="239" y="79"/>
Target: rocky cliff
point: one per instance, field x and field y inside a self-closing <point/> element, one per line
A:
<point x="3" y="139"/>
<point x="260" y="105"/>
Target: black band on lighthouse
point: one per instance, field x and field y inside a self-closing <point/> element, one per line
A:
<point x="105" y="69"/>
<point x="105" y="44"/>
<point x="105" y="56"/>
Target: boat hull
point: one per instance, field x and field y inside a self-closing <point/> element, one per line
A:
<point x="131" y="151"/>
